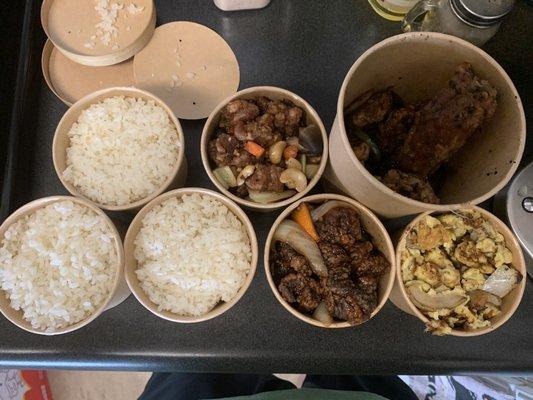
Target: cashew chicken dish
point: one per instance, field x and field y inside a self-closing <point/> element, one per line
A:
<point x="263" y="150"/>
<point x="407" y="146"/>
<point x="325" y="265"/>
<point x="457" y="270"/>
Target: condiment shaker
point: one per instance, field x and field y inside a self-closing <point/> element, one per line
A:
<point x="473" y="20"/>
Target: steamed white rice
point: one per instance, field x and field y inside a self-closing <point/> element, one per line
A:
<point x="58" y="264"/>
<point x="192" y="253"/>
<point x="121" y="150"/>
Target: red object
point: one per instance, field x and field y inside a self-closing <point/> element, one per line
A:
<point x="24" y="385"/>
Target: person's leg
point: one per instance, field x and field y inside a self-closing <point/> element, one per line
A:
<point x="391" y="387"/>
<point x="191" y="386"/>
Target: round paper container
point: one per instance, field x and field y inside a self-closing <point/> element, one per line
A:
<point x="61" y="142"/>
<point x="16" y="317"/>
<point x="274" y="93"/>
<point x="66" y="22"/>
<point x="414" y="64"/>
<point x="71" y="81"/>
<point x="401" y="299"/>
<point x="131" y="262"/>
<point x="372" y="226"/>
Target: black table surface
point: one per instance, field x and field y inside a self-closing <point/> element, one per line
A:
<point x="306" y="46"/>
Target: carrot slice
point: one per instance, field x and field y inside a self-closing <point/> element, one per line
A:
<point x="254" y="149"/>
<point x="290" y="152"/>
<point x="302" y="216"/>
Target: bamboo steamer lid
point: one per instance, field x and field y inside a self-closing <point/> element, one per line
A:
<point x="189" y="66"/>
<point x="98" y="32"/>
<point x="71" y="81"/>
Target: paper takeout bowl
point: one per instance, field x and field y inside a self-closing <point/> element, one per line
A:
<point x="131" y="263"/>
<point x="417" y="65"/>
<point x="115" y="294"/>
<point x="274" y="93"/>
<point x="372" y="226"/>
<point x="510" y="303"/>
<point x="61" y="142"/>
<point x="65" y="29"/>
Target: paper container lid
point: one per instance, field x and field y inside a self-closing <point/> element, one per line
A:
<point x="71" y="81"/>
<point x="189" y="66"/>
<point x="72" y="26"/>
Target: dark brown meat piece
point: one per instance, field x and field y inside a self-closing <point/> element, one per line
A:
<point x="302" y="290"/>
<point x="410" y="185"/>
<point x="393" y="131"/>
<point x="342" y="301"/>
<point x="265" y="177"/>
<point x="362" y="151"/>
<point x="227" y="150"/>
<point x="237" y="111"/>
<point x="359" y="251"/>
<point x="287" y="116"/>
<point x="374" y="264"/>
<point x="261" y="131"/>
<point x="336" y="259"/>
<point x="340" y="225"/>
<point x="289" y="260"/>
<point x="371" y="108"/>
<point x="445" y="123"/>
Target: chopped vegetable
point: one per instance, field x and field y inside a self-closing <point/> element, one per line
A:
<point x="321" y="314"/>
<point x="302" y="216"/>
<point x="323" y="209"/>
<point x="225" y="176"/>
<point x="368" y="140"/>
<point x="434" y="301"/>
<point x="290" y="152"/>
<point x="293" y="234"/>
<point x="303" y="161"/>
<point x="270" y="197"/>
<point x="254" y="149"/>
<point x="502" y="281"/>
<point x="311" y="170"/>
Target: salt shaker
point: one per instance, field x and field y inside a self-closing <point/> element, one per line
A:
<point x="234" y="5"/>
<point x="473" y="20"/>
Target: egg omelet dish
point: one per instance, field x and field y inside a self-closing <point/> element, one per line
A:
<point x="456" y="269"/>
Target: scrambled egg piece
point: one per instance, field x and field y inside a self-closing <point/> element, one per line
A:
<point x="450" y="276"/>
<point x="430" y="233"/>
<point x="429" y="273"/>
<point x="467" y="254"/>
<point x="486" y="245"/>
<point x="455" y="252"/>
<point x="503" y="256"/>
<point x="472" y="279"/>
<point x="454" y="223"/>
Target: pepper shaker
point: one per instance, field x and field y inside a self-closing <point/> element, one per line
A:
<point x="473" y="20"/>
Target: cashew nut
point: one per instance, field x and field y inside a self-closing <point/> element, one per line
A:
<point x="275" y="152"/>
<point x="293" y="179"/>
<point x="245" y="173"/>
<point x="294" y="163"/>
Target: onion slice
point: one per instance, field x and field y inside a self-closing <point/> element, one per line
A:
<point x="324" y="208"/>
<point x="321" y="314"/>
<point x="293" y="234"/>
<point x="270" y="197"/>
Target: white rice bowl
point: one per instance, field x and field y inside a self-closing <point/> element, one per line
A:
<point x="121" y="150"/>
<point x="58" y="264"/>
<point x="192" y="253"/>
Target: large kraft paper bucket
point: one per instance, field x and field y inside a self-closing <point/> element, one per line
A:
<point x="418" y="65"/>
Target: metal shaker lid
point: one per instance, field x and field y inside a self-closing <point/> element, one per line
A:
<point x="482" y="12"/>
